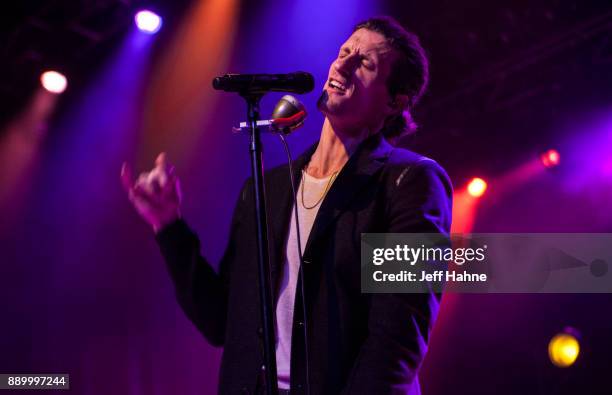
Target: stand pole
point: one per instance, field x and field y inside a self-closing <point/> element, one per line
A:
<point x="263" y="257"/>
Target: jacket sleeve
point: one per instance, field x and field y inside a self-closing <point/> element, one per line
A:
<point x="399" y="324"/>
<point x="201" y="292"/>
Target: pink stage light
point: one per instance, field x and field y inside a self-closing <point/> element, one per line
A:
<point x="477" y="187"/>
<point x="53" y="81"/>
<point x="550" y="158"/>
<point x="148" y="21"/>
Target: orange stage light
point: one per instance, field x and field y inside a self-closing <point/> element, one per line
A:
<point x="477" y="187"/>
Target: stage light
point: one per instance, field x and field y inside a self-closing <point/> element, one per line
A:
<point x="477" y="187"/>
<point x="148" y="21"/>
<point x="53" y="81"/>
<point x="550" y="158"/>
<point x="563" y="349"/>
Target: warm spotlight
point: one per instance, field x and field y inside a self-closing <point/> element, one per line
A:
<point x="148" y="21"/>
<point x="477" y="187"/>
<point x="563" y="349"/>
<point x="550" y="158"/>
<point x="53" y="81"/>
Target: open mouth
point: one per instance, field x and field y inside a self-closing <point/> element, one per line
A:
<point x="340" y="87"/>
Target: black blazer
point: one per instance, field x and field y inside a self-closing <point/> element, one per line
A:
<point x="358" y="343"/>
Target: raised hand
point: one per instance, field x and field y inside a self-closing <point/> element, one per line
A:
<point x="156" y="195"/>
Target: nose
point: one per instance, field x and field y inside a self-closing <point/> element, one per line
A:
<point x="345" y="65"/>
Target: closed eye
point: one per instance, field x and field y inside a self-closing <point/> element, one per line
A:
<point x="367" y="62"/>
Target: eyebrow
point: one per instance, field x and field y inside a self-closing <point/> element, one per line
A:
<point x="382" y="48"/>
<point x="368" y="53"/>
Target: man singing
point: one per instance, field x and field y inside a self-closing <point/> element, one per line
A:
<point x="352" y="181"/>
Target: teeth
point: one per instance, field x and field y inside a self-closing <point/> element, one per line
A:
<point x="337" y="85"/>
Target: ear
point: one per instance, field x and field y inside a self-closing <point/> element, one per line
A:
<point x="398" y="103"/>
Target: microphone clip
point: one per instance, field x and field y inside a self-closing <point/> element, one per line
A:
<point x="282" y="122"/>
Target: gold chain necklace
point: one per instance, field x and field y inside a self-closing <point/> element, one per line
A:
<point x="331" y="180"/>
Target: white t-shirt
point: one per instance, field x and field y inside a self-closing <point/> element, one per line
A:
<point x="312" y="193"/>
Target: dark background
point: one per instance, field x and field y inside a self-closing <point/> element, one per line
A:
<point x="83" y="289"/>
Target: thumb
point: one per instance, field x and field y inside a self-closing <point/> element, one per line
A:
<point x="127" y="179"/>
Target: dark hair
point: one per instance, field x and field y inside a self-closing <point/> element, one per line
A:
<point x="409" y="73"/>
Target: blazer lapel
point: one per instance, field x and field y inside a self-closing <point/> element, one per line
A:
<point x="371" y="155"/>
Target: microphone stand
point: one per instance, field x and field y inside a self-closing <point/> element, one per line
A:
<point x="263" y="257"/>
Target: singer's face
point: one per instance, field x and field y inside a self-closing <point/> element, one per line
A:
<point x="356" y="93"/>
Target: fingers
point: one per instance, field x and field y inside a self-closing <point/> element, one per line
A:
<point x="127" y="179"/>
<point x="161" y="161"/>
<point x="166" y="187"/>
<point x="161" y="175"/>
<point x="155" y="184"/>
<point x="159" y="183"/>
<point x="139" y="193"/>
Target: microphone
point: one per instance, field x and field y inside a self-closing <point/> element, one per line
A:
<point x="298" y="82"/>
<point x="288" y="115"/>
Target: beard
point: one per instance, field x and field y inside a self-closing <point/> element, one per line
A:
<point x="330" y="107"/>
<point x="322" y="102"/>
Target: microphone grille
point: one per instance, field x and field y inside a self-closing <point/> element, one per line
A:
<point x="289" y="114"/>
<point x="286" y="107"/>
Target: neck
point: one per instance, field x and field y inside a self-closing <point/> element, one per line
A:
<point x="335" y="147"/>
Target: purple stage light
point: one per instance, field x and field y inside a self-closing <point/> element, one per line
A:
<point x="148" y="21"/>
